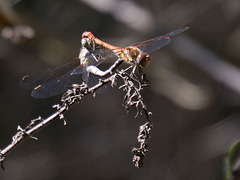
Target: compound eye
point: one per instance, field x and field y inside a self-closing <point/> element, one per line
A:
<point x="143" y="59"/>
<point x="84" y="42"/>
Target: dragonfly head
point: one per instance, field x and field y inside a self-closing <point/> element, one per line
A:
<point x="143" y="59"/>
<point x="87" y="40"/>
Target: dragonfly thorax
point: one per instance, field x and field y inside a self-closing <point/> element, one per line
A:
<point x="129" y="54"/>
<point x="83" y="56"/>
<point x="134" y="55"/>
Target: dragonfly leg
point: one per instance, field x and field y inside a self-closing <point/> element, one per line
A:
<point x="133" y="74"/>
<point x="139" y="70"/>
<point x="138" y="74"/>
<point x="94" y="46"/>
<point x="94" y="57"/>
<point x="142" y="76"/>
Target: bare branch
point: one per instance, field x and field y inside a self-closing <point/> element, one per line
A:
<point x="74" y="94"/>
<point x="133" y="97"/>
<point x="143" y="135"/>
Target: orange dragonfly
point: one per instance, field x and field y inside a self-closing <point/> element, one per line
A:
<point x="136" y="54"/>
<point x="92" y="53"/>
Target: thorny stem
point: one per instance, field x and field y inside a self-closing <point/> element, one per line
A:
<point x="74" y="94"/>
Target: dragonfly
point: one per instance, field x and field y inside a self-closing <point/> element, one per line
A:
<point x="137" y="54"/>
<point x="92" y="53"/>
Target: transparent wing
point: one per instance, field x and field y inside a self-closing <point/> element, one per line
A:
<point x="60" y="85"/>
<point x="56" y="81"/>
<point x="32" y="81"/>
<point x="101" y="55"/>
<point x="157" y="43"/>
<point x="56" y="86"/>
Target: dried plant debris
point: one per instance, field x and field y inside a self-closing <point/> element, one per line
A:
<point x="132" y="85"/>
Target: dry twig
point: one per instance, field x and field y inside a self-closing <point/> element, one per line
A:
<point x="75" y="93"/>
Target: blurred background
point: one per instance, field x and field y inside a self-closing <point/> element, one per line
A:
<point x="194" y="98"/>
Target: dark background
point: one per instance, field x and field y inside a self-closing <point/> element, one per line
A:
<point x="194" y="98"/>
